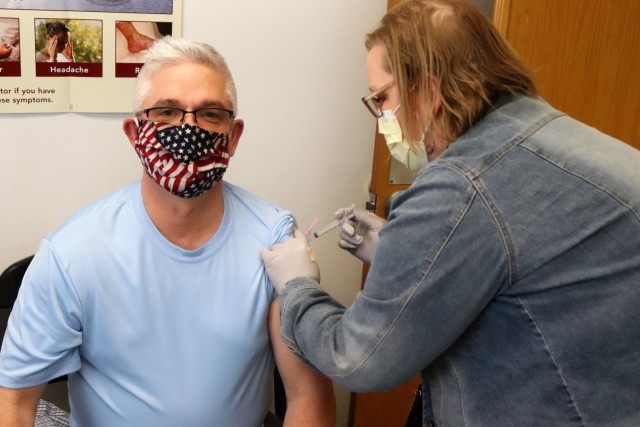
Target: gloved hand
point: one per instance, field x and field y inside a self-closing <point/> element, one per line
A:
<point x="359" y="235"/>
<point x="290" y="259"/>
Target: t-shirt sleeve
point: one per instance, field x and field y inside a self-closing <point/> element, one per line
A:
<point x="44" y="328"/>
<point x="283" y="227"/>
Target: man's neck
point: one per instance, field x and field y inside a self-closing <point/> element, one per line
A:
<point x="187" y="223"/>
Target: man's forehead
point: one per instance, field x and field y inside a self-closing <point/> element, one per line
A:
<point x="186" y="66"/>
<point x="177" y="84"/>
<point x="174" y="102"/>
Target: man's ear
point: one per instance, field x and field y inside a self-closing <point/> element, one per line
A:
<point x="130" y="128"/>
<point x="234" y="137"/>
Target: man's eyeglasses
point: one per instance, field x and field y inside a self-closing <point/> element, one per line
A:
<point x="210" y="117"/>
<point x="373" y="102"/>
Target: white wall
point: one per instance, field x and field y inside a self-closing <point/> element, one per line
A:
<point x="307" y="145"/>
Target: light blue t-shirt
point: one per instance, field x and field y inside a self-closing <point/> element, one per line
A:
<point x="119" y="6"/>
<point x="151" y="334"/>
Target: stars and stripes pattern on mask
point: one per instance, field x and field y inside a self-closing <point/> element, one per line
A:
<point x="185" y="160"/>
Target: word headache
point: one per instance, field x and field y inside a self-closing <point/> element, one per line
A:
<point x="69" y="69"/>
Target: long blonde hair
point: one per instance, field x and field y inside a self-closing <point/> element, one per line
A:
<point x="451" y="44"/>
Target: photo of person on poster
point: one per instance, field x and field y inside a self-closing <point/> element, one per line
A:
<point x="9" y="39"/>
<point x="58" y="46"/>
<point x="54" y="41"/>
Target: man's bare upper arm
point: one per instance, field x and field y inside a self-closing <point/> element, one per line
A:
<point x="310" y="397"/>
<point x="292" y="370"/>
<point x="18" y="406"/>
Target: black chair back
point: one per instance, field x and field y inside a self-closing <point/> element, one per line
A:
<point x="10" y="281"/>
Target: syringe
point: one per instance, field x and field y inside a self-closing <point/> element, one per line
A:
<point x="327" y="228"/>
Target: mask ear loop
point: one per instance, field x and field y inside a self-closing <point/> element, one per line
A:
<point x="138" y="121"/>
<point x="429" y="150"/>
<point x="233" y="126"/>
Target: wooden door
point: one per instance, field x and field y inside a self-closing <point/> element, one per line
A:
<point x="585" y="55"/>
<point x="391" y="408"/>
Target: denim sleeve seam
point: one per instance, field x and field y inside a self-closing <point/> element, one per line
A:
<point x="474" y="180"/>
<point x="505" y="235"/>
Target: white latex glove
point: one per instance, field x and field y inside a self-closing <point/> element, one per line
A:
<point x="290" y="259"/>
<point x="359" y="235"/>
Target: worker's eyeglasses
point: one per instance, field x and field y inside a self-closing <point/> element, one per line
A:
<point x="211" y="118"/>
<point x="373" y="102"/>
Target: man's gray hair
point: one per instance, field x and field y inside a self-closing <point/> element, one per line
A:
<point x="169" y="50"/>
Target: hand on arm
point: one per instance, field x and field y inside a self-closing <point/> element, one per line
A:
<point x="310" y="398"/>
<point x="18" y="406"/>
<point x="290" y="259"/>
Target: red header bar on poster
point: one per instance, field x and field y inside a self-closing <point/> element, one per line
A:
<point x="68" y="69"/>
<point x="10" y="69"/>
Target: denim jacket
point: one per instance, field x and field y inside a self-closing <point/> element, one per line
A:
<point x="508" y="274"/>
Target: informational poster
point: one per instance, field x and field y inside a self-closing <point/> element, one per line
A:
<point x="77" y="55"/>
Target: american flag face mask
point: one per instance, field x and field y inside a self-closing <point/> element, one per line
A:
<point x="185" y="160"/>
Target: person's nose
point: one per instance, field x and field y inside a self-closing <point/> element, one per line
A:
<point x="190" y="118"/>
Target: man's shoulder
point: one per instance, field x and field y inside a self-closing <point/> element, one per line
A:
<point x="242" y="193"/>
<point x="253" y="209"/>
<point x="107" y="205"/>
<point x="248" y="200"/>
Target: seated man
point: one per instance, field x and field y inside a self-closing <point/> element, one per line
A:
<point x="154" y="299"/>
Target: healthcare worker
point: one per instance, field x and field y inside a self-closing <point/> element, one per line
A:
<point x="508" y="274"/>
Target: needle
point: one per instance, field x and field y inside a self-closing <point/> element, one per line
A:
<point x="327" y="228"/>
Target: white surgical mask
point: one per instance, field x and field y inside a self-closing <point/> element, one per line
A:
<point x="399" y="147"/>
